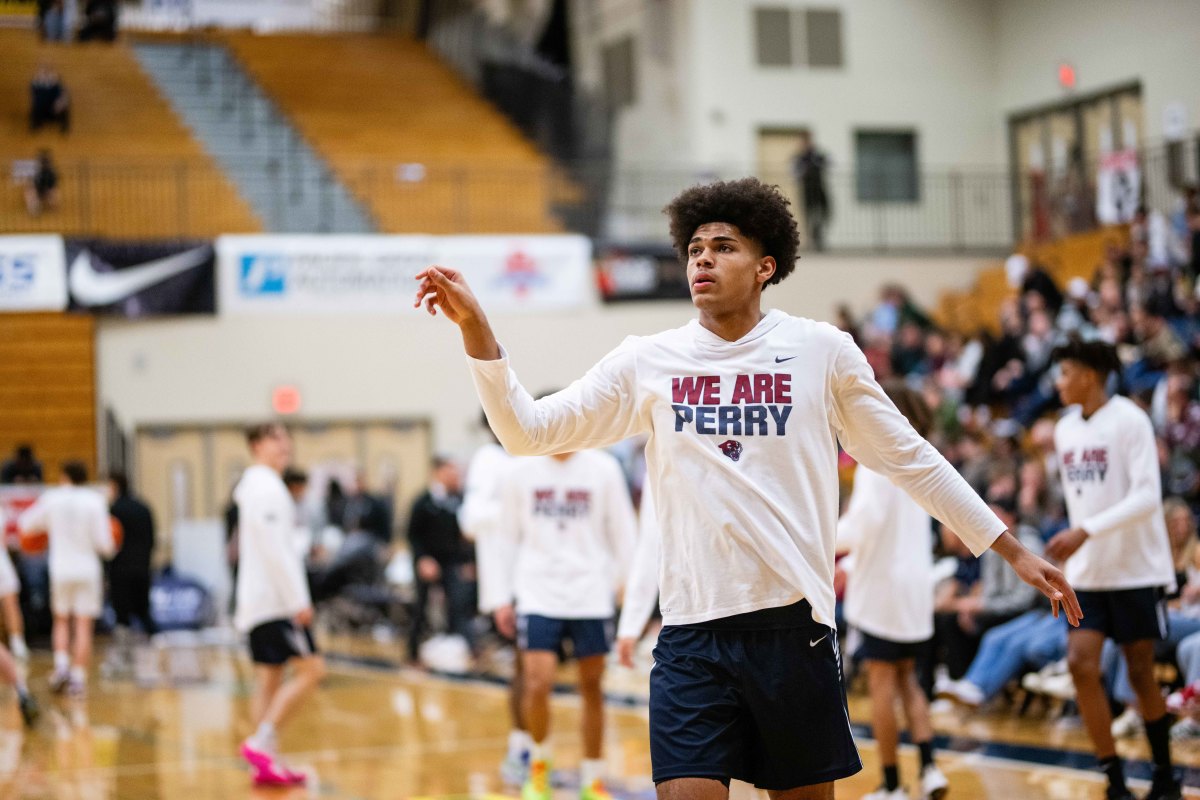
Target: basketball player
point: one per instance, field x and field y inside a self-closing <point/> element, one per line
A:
<point x="75" y="519"/>
<point x="889" y="600"/>
<point x="273" y="603"/>
<point x="479" y="519"/>
<point x="569" y="526"/>
<point x="744" y="410"/>
<point x="10" y="601"/>
<point x="1116" y="551"/>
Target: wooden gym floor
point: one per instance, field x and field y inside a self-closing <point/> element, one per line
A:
<point x="169" y="729"/>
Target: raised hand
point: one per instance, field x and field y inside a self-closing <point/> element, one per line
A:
<point x="447" y="290"/>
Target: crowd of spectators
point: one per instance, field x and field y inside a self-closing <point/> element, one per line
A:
<point x="996" y="408"/>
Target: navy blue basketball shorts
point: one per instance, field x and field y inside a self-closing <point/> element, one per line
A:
<point x="587" y="637"/>
<point x="1125" y="615"/>
<point x="277" y="642"/>
<point x="876" y="648"/>
<point x="757" y="697"/>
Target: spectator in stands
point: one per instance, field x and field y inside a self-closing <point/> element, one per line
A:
<point x="808" y="167"/>
<point x="366" y="512"/>
<point x="442" y="556"/>
<point x="129" y="570"/>
<point x="99" y="21"/>
<point x="963" y="617"/>
<point x="41" y="192"/>
<point x="49" y="101"/>
<point x="1029" y="642"/>
<point x="52" y="22"/>
<point x="23" y="467"/>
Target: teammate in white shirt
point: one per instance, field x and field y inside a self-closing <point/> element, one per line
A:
<point x="1116" y="552"/>
<point x="568" y="526"/>
<point x="76" y="521"/>
<point x="273" y="603"/>
<point x="889" y="600"/>
<point x="10" y="600"/>
<point x="11" y="671"/>
<point x="744" y="411"/>
<point x="479" y="520"/>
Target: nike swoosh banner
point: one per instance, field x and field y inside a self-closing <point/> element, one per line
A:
<point x="348" y="274"/>
<point x="32" y="274"/>
<point x="141" y="278"/>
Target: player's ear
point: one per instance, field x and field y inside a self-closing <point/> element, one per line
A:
<point x="766" y="268"/>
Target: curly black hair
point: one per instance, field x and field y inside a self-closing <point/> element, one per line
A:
<point x="760" y="212"/>
<point x="1095" y="354"/>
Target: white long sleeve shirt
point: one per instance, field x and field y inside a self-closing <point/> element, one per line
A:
<point x="479" y="518"/>
<point x="570" y="526"/>
<point x="641" y="591"/>
<point x="742" y="454"/>
<point x="76" y="522"/>
<point x="890" y="593"/>
<point x="271" y="583"/>
<point x="1109" y="468"/>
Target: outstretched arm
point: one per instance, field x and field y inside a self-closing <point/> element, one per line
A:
<point x="594" y="411"/>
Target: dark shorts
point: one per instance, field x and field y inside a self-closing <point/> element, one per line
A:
<point x="588" y="637"/>
<point x="875" y="648"/>
<point x="279" y="641"/>
<point x="757" y="697"/>
<point x="1125" y="615"/>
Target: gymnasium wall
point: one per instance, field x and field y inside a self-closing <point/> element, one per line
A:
<point x="192" y="370"/>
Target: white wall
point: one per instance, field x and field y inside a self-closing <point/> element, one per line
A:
<point x="214" y="369"/>
<point x="1109" y="42"/>
<point x="921" y="64"/>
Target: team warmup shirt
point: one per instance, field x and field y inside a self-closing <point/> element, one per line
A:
<point x="76" y="521"/>
<point x="641" y="590"/>
<point x="570" y="530"/>
<point x="741" y="456"/>
<point x="271" y="584"/>
<point x="479" y="519"/>
<point x="1109" y="468"/>
<point x="889" y="593"/>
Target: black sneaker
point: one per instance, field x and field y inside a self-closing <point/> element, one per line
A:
<point x="1119" y="793"/>
<point x="1165" y="787"/>
<point x="29" y="709"/>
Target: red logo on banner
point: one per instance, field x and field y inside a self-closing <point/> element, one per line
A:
<point x="521" y="274"/>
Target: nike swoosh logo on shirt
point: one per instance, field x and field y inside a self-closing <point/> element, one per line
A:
<point x="779" y="360"/>
<point x="92" y="288"/>
<point x="816" y="642"/>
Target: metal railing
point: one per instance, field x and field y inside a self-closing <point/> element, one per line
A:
<point x="950" y="211"/>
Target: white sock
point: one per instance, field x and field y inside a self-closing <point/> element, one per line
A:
<point x="539" y="751"/>
<point x="519" y="743"/>
<point x="20" y="650"/>
<point x="590" y="771"/>
<point x="62" y="661"/>
<point x="78" y="674"/>
<point x="265" y="736"/>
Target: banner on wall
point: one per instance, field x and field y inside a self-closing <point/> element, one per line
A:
<point x="1118" y="187"/>
<point x="375" y="274"/>
<point x="32" y="274"/>
<point x="141" y="279"/>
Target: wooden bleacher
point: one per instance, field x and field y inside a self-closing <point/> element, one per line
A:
<point x="47" y="387"/>
<point x="978" y="308"/>
<point x="368" y="103"/>
<point x="120" y="166"/>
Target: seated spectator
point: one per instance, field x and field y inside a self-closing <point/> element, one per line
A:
<point x="52" y="20"/>
<point x="41" y="192"/>
<point x="1029" y="642"/>
<point x="22" y="467"/>
<point x="964" y="614"/>
<point x="49" y="101"/>
<point x="99" y="21"/>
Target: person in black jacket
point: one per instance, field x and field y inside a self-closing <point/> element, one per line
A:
<point x="129" y="570"/>
<point x="442" y="556"/>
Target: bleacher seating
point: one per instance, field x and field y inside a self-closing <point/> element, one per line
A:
<point x="372" y="104"/>
<point x="128" y="168"/>
<point x="47" y="387"/>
